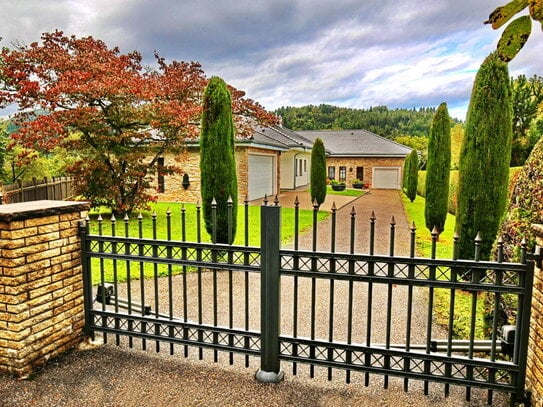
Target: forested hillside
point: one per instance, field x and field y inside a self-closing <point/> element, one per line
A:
<point x="380" y="120"/>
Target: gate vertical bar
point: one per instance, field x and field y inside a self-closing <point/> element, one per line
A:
<point x="371" y="267"/>
<point x="296" y="262"/>
<point x="349" y="355"/>
<point x="185" y="291"/>
<point x="115" y="279"/>
<point x="126" y="221"/>
<point x="247" y="291"/>
<point x="142" y="279"/>
<point x="169" y="253"/>
<point x="230" y="206"/>
<point x="270" y="221"/>
<point x="390" y="274"/>
<point x="155" y="280"/>
<point x="430" y="313"/>
<point x="520" y="353"/>
<point x="314" y="268"/>
<point x="87" y="279"/>
<point x="411" y="275"/>
<point x="331" y="291"/>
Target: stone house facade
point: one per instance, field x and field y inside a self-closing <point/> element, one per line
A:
<point x="361" y="155"/>
<point x="272" y="159"/>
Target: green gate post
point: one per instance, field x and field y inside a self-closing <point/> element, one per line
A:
<point x="270" y="223"/>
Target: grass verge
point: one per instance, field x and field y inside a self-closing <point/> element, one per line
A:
<point x="158" y="227"/>
<point x="444" y="250"/>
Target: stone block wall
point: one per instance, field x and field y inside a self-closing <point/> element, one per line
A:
<point x="41" y="282"/>
<point x="534" y="377"/>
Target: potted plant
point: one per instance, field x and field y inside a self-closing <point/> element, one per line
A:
<point x="337" y="185"/>
<point x="358" y="184"/>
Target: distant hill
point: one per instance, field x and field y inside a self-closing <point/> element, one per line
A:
<point x="380" y="119"/>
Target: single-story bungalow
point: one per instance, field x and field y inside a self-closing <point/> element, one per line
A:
<point x="275" y="158"/>
<point x="361" y="155"/>
<point x="271" y="159"/>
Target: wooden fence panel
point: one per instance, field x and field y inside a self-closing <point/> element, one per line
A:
<point x="56" y="188"/>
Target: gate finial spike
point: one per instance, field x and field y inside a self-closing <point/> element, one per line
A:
<point x="413" y="227"/>
<point x="113" y="218"/>
<point x="315" y="204"/>
<point x="296" y="201"/>
<point x="333" y="209"/>
<point x="126" y="217"/>
<point x="435" y="231"/>
<point x="478" y="238"/>
<point x="372" y="217"/>
<point x="353" y="211"/>
<point x="392" y="221"/>
<point x="276" y="201"/>
<point x="213" y="202"/>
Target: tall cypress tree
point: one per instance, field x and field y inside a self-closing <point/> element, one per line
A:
<point x="438" y="170"/>
<point x="483" y="171"/>
<point x="217" y="160"/>
<point x="412" y="168"/>
<point x="318" y="172"/>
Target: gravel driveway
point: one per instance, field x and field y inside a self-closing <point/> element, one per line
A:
<point x="118" y="376"/>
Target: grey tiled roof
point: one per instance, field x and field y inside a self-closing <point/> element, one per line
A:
<point x="356" y="143"/>
<point x="278" y="137"/>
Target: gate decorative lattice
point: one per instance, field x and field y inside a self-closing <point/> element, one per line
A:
<point x="232" y="299"/>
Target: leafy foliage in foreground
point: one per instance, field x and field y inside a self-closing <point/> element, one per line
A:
<point x="438" y="170"/>
<point x="116" y="116"/>
<point x="318" y="172"/>
<point x="217" y="161"/>
<point x="483" y="172"/>
<point x="525" y="206"/>
<point x="411" y="175"/>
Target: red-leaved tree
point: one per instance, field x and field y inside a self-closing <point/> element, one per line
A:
<point x="116" y="116"/>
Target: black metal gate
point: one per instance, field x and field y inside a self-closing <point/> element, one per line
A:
<point x="337" y="310"/>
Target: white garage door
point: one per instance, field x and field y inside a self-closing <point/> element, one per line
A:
<point x="386" y="178"/>
<point x="261" y="176"/>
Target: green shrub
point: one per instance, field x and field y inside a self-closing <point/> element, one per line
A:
<point x="483" y="171"/>
<point x="217" y="160"/>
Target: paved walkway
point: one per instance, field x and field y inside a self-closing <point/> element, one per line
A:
<point x="112" y="376"/>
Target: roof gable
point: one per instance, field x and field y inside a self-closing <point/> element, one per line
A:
<point x="279" y="137"/>
<point x="359" y="143"/>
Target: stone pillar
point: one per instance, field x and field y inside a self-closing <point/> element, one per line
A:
<point x="41" y="283"/>
<point x="534" y="372"/>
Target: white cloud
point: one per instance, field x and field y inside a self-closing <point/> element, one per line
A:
<point x="294" y="52"/>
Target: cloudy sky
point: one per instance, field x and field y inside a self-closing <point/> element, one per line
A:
<point x="353" y="53"/>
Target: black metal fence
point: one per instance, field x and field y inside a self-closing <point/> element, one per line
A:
<point x="367" y="314"/>
<point x="56" y="188"/>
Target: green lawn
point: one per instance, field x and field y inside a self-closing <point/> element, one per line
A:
<point x="444" y="250"/>
<point x="158" y="226"/>
<point x="415" y="213"/>
<point x="176" y="209"/>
